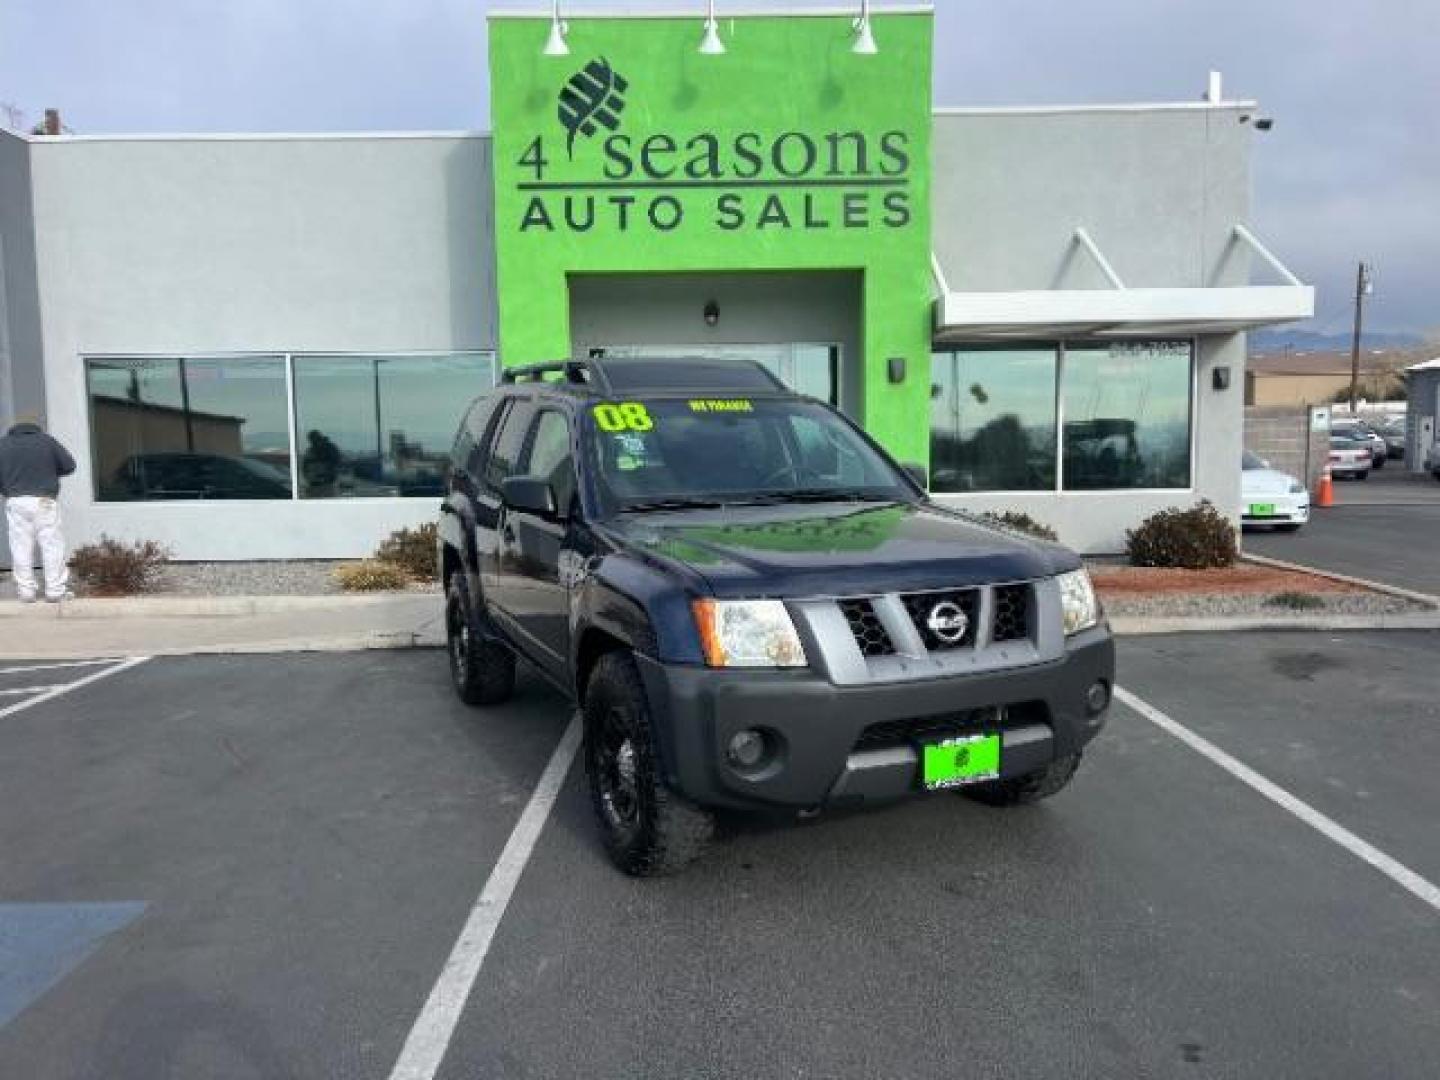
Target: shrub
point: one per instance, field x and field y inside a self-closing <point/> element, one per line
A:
<point x="1296" y="601"/>
<point x="111" y="568"/>
<point x="1020" y="522"/>
<point x="1200" y="538"/>
<point x="414" y="551"/>
<point x="370" y="575"/>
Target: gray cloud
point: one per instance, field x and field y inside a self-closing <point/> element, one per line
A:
<point x="1351" y="169"/>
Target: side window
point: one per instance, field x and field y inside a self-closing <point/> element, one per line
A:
<point x="506" y="444"/>
<point x="550" y="456"/>
<point x="472" y="432"/>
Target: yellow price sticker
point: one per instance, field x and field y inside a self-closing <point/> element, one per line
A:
<point x="728" y="405"/>
<point x="625" y="416"/>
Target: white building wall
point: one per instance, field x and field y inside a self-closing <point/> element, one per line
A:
<point x="197" y="246"/>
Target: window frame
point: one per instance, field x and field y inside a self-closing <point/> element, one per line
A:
<point x="490" y="355"/>
<point x="1061" y="348"/>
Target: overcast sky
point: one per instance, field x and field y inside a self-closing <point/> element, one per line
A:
<point x="1351" y="168"/>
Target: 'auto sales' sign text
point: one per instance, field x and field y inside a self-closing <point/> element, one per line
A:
<point x="666" y="181"/>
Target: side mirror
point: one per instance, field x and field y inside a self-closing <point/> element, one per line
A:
<point x="529" y="494"/>
<point x="918" y="473"/>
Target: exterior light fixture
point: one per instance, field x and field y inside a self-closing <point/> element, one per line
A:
<point x="864" y="38"/>
<point x="712" y="313"/>
<point x="555" y="44"/>
<point x="710" y="44"/>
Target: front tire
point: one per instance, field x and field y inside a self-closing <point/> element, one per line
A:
<point x="1026" y="789"/>
<point x="647" y="829"/>
<point x="481" y="669"/>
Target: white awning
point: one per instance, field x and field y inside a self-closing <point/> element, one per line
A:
<point x="1121" y="311"/>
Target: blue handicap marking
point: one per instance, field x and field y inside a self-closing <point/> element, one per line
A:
<point x="42" y="943"/>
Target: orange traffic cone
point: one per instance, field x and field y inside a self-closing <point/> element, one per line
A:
<point x="1325" y="492"/>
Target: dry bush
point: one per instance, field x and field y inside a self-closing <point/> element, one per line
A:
<point x="370" y="575"/>
<point x="112" y="568"/>
<point x="414" y="551"/>
<point x="1200" y="538"/>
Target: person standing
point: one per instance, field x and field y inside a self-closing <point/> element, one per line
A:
<point x="31" y="465"/>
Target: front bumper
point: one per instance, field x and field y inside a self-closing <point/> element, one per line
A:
<point x="1288" y="509"/>
<point x="816" y="725"/>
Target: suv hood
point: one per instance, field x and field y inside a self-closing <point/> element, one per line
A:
<point x="836" y="549"/>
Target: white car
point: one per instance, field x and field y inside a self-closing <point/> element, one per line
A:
<point x="1271" y="497"/>
<point x="1350" y="458"/>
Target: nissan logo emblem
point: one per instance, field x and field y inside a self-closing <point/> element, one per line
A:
<point x="947" y="622"/>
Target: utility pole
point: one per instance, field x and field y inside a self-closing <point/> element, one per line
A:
<point x="1362" y="289"/>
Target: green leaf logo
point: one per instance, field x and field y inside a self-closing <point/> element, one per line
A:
<point x="593" y="95"/>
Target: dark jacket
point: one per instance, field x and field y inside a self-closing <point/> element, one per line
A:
<point x="32" y="463"/>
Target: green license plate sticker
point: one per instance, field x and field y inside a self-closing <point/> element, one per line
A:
<point x="960" y="761"/>
<point x="1262" y="509"/>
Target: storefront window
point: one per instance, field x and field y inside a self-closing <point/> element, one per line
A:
<point x="381" y="426"/>
<point x="992" y="420"/>
<point x="1127" y="415"/>
<point x="189" y="428"/>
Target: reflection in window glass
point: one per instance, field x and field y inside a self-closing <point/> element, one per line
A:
<point x="992" y="420"/>
<point x="381" y="425"/>
<point x="1127" y="415"/>
<point x="189" y="428"/>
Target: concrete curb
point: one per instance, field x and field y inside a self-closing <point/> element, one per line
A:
<point x="1366" y="583"/>
<point x="1142" y="625"/>
<point x="421" y="639"/>
<point x="143" y="607"/>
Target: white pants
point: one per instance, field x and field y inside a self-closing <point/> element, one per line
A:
<point x="33" y="520"/>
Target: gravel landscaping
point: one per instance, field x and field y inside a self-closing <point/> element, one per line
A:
<point x="1240" y="590"/>
<point x="311" y="577"/>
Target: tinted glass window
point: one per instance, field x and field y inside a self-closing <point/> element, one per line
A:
<point x="733" y="451"/>
<point x="504" y="456"/>
<point x="381" y="425"/>
<point x="992" y="420"/>
<point x="1127" y="415"/>
<point x="1250" y="462"/>
<point x="550" y="456"/>
<point x="190" y="428"/>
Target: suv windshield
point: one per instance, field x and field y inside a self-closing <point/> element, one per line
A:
<point x="659" y="453"/>
<point x="1251" y="462"/>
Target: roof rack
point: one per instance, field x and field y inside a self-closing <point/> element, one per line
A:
<point x="580" y="372"/>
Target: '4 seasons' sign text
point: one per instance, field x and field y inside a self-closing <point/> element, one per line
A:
<point x="665" y="181"/>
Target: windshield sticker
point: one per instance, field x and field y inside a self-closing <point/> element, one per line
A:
<point x="730" y="405"/>
<point x="626" y="416"/>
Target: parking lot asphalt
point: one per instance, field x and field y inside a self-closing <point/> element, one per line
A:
<point x="1386" y="529"/>
<point x="301" y="839"/>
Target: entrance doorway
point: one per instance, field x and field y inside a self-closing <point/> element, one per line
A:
<point x="811" y="369"/>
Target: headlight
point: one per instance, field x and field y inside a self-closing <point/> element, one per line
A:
<point x="748" y="633"/>
<point x="1077" y="601"/>
<point x="1297" y="488"/>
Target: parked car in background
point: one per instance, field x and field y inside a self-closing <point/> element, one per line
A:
<point x="1349" y="458"/>
<point x="1363" y="433"/>
<point x="1271" y="497"/>
<point x="1392" y="430"/>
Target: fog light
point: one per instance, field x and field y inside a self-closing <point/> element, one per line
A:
<point x="747" y="748"/>
<point x="1097" y="697"/>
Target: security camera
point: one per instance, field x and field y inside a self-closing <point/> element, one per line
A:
<point x="1264" y="123"/>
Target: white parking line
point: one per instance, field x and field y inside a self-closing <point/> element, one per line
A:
<point x="30" y="689"/>
<point x="60" y="664"/>
<point x="1401" y="874"/>
<point x="430" y="1037"/>
<point x="53" y="692"/>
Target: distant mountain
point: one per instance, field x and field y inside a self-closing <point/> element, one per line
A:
<point x="1263" y="341"/>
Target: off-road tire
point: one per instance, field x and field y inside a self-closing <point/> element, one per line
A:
<point x="1030" y="788"/>
<point x="647" y="829"/>
<point x="481" y="668"/>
